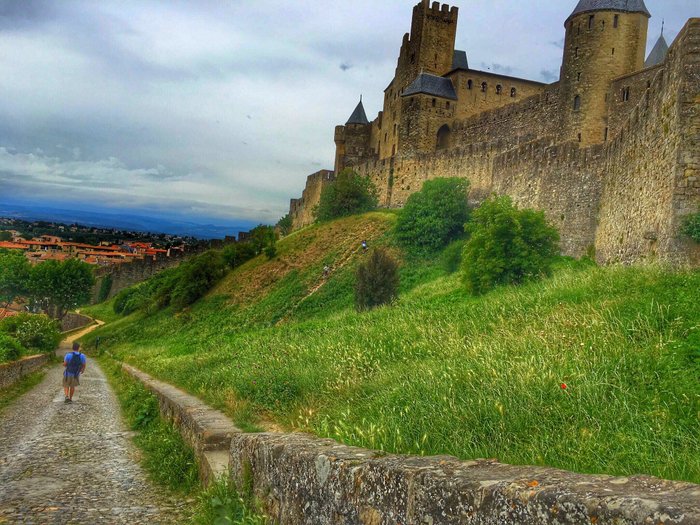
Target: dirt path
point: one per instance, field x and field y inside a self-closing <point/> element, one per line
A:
<point x="74" y="463"/>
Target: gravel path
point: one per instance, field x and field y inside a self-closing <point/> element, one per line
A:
<point x="74" y="463"/>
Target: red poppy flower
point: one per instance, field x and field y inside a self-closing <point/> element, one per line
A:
<point x="563" y="386"/>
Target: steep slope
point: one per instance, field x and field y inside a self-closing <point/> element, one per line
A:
<point x="593" y="370"/>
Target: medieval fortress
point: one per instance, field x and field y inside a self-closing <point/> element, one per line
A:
<point x="610" y="152"/>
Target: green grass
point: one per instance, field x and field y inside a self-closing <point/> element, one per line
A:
<point x="9" y="394"/>
<point x="169" y="461"/>
<point x="103" y="311"/>
<point x="445" y="373"/>
<point x="220" y="504"/>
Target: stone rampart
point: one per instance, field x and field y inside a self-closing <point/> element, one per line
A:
<point x="652" y="164"/>
<point x="299" y="478"/>
<point x="130" y="273"/>
<point x="301" y="210"/>
<point x="12" y="372"/>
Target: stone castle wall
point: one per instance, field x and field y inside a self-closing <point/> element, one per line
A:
<point x="623" y="199"/>
<point x="652" y="166"/>
<point x="301" y="210"/>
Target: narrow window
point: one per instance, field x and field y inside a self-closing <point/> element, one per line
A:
<point x="625" y="94"/>
<point x="613" y="50"/>
<point x="606" y="134"/>
<point x="393" y="150"/>
<point x="578" y="77"/>
<point x="499" y="89"/>
<point x="394" y="130"/>
<point x="603" y="26"/>
<point x="576" y="52"/>
<point x="512" y="92"/>
<point x="385" y="135"/>
<point x="578" y="29"/>
<point x="577" y="103"/>
<point x="579" y="137"/>
<point x="413" y="58"/>
<point x="448" y="105"/>
<point x="590" y="21"/>
<point x="469" y="83"/>
<point x="433" y="102"/>
<point x="616" y="20"/>
<point x="483" y="87"/>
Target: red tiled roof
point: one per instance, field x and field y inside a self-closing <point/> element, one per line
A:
<point x="13" y="245"/>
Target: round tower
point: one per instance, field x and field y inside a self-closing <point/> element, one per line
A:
<point x="605" y="39"/>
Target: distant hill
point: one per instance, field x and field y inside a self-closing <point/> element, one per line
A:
<point x="125" y="220"/>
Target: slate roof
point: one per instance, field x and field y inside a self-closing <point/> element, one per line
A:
<point x="658" y="53"/>
<point x="629" y="6"/>
<point x="431" y="85"/>
<point x="358" y="116"/>
<point x="459" y="60"/>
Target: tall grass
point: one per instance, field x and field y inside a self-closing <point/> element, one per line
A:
<point x="593" y="370"/>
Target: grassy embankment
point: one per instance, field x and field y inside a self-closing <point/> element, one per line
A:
<point x="592" y="370"/>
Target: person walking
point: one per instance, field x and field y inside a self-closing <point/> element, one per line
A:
<point x="74" y="364"/>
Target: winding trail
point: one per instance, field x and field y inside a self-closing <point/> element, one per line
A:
<point x="75" y="463"/>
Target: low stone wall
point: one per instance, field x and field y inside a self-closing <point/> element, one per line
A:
<point x="12" y="372"/>
<point x="73" y="321"/>
<point x="207" y="431"/>
<point x="303" y="479"/>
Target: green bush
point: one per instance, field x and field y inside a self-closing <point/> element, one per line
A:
<point x="691" y="226"/>
<point x="122" y="299"/>
<point x="377" y="281"/>
<point x="10" y="348"/>
<point x="34" y="332"/>
<point x="348" y="195"/>
<point x="435" y="215"/>
<point x="236" y="254"/>
<point x="196" y="277"/>
<point x="105" y="288"/>
<point x="507" y="246"/>
<point x="451" y="257"/>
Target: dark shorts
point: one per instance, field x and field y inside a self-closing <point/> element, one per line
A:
<point x="69" y="381"/>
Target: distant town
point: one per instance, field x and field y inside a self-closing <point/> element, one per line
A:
<point x="42" y="240"/>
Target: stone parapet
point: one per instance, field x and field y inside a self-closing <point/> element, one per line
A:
<point x="12" y="372"/>
<point x="206" y="430"/>
<point x="299" y="478"/>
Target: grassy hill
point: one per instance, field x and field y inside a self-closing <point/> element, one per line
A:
<point x="592" y="370"/>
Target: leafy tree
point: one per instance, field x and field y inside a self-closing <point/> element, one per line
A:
<point x="507" y="246"/>
<point x="691" y="226"/>
<point x="14" y="276"/>
<point x="435" y="215"/>
<point x="285" y="225"/>
<point x="348" y="195"/>
<point x="5" y="235"/>
<point x="261" y="237"/>
<point x="197" y="277"/>
<point x="238" y="253"/>
<point x="35" y="332"/>
<point x="377" y="281"/>
<point x="271" y="250"/>
<point x="57" y="287"/>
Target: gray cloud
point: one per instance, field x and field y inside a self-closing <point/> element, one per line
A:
<point x="224" y="105"/>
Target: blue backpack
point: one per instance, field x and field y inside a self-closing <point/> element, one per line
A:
<point x="75" y="363"/>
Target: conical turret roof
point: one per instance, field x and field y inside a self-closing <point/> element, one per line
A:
<point x="629" y="6"/>
<point x="658" y="53"/>
<point x="358" y="116"/>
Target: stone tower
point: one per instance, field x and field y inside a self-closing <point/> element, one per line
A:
<point x="428" y="48"/>
<point x="352" y="139"/>
<point x="605" y="39"/>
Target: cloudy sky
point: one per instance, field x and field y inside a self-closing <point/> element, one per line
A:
<point x="221" y="108"/>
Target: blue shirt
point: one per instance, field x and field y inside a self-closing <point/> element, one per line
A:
<point x="66" y="360"/>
